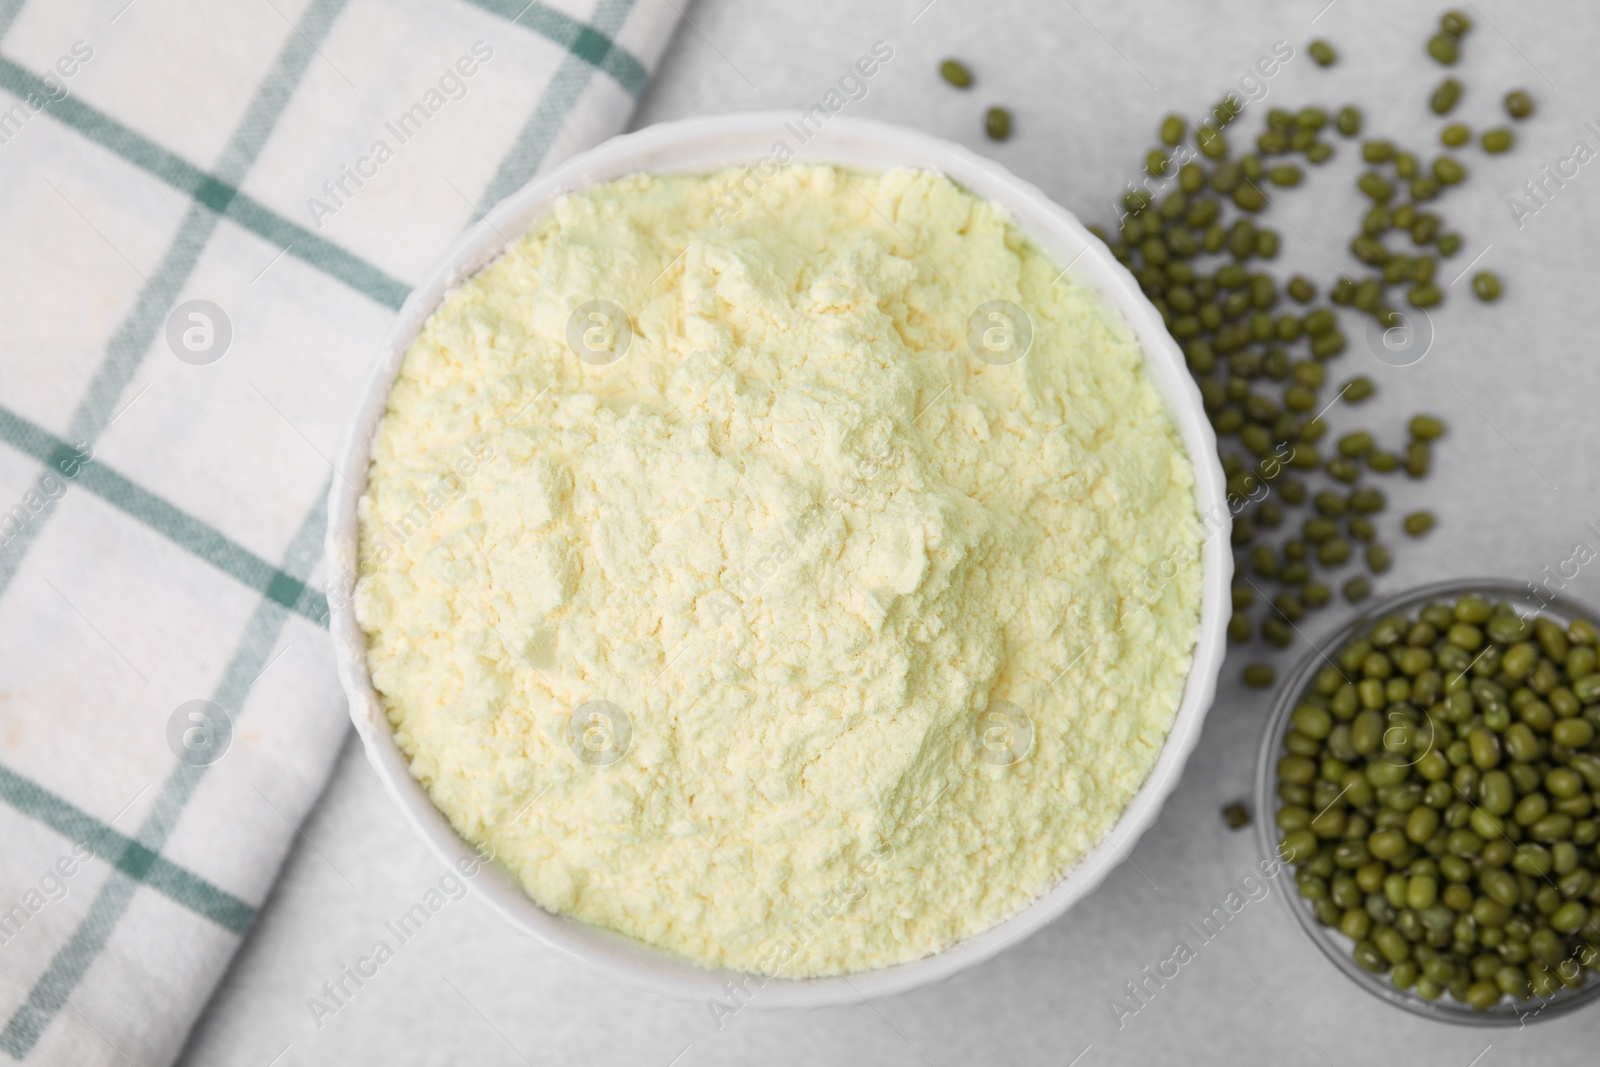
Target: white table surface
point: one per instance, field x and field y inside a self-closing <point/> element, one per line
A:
<point x="1514" y="485"/>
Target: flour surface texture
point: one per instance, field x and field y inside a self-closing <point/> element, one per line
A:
<point x="780" y="630"/>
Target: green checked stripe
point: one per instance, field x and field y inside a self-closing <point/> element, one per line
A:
<point x="72" y="961"/>
<point x="182" y="529"/>
<point x="592" y="44"/>
<point x="125" y="854"/>
<point x="127" y="348"/>
<point x="221" y="197"/>
<point x="215" y="197"/>
<point x="587" y="43"/>
<point x="539" y="132"/>
<point x="8" y="14"/>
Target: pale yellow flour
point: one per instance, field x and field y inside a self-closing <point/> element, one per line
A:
<point x="829" y="567"/>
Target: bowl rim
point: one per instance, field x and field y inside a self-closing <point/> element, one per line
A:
<point x="1333" y="944"/>
<point x="700" y="145"/>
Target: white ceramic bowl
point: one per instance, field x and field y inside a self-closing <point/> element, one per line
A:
<point x="705" y="144"/>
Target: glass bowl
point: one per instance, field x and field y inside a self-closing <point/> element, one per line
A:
<point x="1335" y="945"/>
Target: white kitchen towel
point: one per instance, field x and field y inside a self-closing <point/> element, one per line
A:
<point x="209" y="213"/>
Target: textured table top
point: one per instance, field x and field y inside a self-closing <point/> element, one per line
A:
<point x="1515" y="487"/>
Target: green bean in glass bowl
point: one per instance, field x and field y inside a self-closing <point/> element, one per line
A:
<point x="1432" y="775"/>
